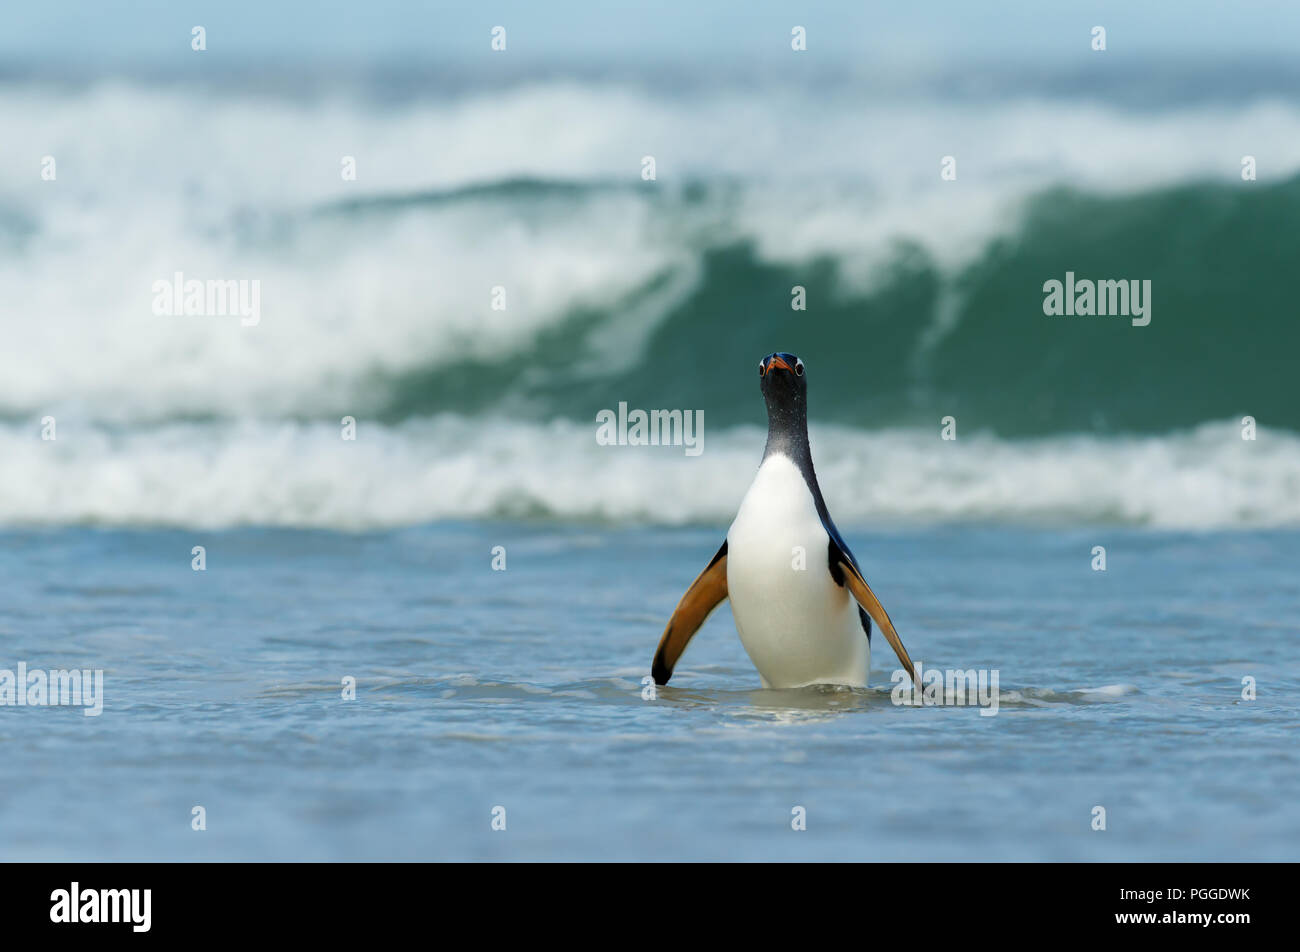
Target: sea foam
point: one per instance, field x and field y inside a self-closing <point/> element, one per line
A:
<point x="451" y="467"/>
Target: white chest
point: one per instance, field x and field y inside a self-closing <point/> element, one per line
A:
<point x="796" y="624"/>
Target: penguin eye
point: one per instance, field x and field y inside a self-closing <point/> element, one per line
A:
<point x="762" y="367"/>
<point x="798" y="368"/>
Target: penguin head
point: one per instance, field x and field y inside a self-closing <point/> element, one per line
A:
<point x="782" y="382"/>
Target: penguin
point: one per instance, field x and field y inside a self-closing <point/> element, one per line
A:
<point x="801" y="606"/>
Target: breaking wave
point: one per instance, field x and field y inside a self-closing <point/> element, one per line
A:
<point x="924" y="299"/>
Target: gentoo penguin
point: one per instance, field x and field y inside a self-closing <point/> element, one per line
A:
<point x="799" y="600"/>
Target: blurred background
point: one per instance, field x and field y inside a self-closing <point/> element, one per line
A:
<point x="521" y="169"/>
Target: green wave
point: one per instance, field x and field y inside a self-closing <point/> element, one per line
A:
<point x="924" y="343"/>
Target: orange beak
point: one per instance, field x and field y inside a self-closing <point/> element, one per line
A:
<point x="777" y="362"/>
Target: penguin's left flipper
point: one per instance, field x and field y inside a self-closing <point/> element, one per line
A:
<point x="846" y="573"/>
<point x="705" y="594"/>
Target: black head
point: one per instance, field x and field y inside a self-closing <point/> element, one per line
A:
<point x="785" y="391"/>
<point x="782" y="381"/>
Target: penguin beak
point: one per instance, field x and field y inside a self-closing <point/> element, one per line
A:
<point x="775" y="363"/>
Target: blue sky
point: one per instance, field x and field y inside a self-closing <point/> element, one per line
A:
<point x="402" y="32"/>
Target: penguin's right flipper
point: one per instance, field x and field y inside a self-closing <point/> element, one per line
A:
<point x="704" y="595"/>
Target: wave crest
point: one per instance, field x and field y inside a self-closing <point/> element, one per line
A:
<point x="449" y="467"/>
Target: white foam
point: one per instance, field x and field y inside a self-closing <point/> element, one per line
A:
<point x="448" y="467"/>
<point x="153" y="181"/>
<point x="1109" y="690"/>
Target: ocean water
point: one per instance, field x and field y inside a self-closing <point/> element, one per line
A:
<point x="128" y="437"/>
<point x="521" y="689"/>
<point x="376" y="300"/>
